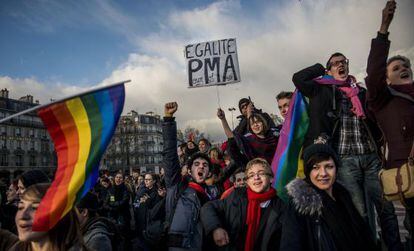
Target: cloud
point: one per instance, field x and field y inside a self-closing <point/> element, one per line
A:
<point x="273" y="43"/>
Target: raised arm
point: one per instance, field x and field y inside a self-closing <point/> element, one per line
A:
<point x="170" y="156"/>
<point x="378" y="94"/>
<point x="303" y="79"/>
<point x="222" y="116"/>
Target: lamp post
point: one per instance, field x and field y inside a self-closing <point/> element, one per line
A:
<point x="232" y="109"/>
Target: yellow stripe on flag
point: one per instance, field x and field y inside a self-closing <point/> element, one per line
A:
<point x="80" y="116"/>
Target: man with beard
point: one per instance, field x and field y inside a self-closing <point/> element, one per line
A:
<point x="391" y="98"/>
<point x="185" y="195"/>
<point x="337" y="114"/>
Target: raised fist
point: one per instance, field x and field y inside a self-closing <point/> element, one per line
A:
<point x="220" y="114"/>
<point x="170" y="108"/>
<point x="387" y="15"/>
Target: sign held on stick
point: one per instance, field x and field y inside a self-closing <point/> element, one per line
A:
<point x="212" y="63"/>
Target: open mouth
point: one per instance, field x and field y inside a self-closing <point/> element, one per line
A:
<point x="404" y="75"/>
<point x="341" y="71"/>
<point x="200" y="174"/>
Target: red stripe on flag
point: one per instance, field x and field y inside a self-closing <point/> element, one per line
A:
<point x="64" y="133"/>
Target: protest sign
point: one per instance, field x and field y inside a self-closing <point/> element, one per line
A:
<point x="212" y="63"/>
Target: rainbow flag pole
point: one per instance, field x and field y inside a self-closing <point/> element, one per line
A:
<point x="81" y="127"/>
<point x="287" y="163"/>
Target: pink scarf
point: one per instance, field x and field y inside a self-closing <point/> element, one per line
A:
<point x="350" y="88"/>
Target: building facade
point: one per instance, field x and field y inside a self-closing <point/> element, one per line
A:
<point x="136" y="144"/>
<point x="24" y="141"/>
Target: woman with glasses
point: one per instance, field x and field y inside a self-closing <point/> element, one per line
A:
<point x="260" y="142"/>
<point x="250" y="218"/>
<point x="321" y="215"/>
<point x="144" y="201"/>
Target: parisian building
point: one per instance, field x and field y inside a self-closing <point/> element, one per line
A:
<point x="24" y="141"/>
<point x="136" y="144"/>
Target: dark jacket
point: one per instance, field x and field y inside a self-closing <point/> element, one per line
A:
<point x="394" y="113"/>
<point x="307" y="225"/>
<point x="141" y="209"/>
<point x="324" y="105"/>
<point x="185" y="231"/>
<point x="98" y="234"/>
<point x="7" y="239"/>
<point x="230" y="214"/>
<point x="117" y="202"/>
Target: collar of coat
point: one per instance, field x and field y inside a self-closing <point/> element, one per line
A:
<point x="305" y="199"/>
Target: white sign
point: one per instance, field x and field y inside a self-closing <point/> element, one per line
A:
<point x="212" y="63"/>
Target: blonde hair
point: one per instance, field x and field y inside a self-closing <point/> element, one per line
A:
<point x="259" y="161"/>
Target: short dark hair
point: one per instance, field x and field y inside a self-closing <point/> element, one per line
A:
<point x="336" y="54"/>
<point x="399" y="57"/>
<point x="314" y="159"/>
<point x="196" y="156"/>
<point x="283" y="95"/>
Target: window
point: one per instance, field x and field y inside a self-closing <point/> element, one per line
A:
<point x="32" y="160"/>
<point x="2" y="130"/>
<point x="18" y="131"/>
<point x="4" y="160"/>
<point x="19" y="160"/>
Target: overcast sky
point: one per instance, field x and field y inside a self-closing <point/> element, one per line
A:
<point x="51" y="49"/>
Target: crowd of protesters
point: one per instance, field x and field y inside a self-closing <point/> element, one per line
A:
<point x="210" y="197"/>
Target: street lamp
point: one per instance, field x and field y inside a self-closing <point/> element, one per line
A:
<point x="232" y="109"/>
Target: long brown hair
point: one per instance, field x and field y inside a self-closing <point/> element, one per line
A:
<point x="66" y="233"/>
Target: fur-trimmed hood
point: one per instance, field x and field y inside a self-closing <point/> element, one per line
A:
<point x="305" y="199"/>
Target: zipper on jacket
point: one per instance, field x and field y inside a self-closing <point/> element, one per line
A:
<point x="319" y="234"/>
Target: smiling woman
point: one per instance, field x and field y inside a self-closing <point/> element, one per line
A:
<point x="321" y="213"/>
<point x="64" y="236"/>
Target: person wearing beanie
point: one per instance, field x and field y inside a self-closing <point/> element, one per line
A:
<point x="247" y="108"/>
<point x="337" y="109"/>
<point x="97" y="231"/>
<point x="320" y="214"/>
<point x="249" y="218"/>
<point x="29" y="178"/>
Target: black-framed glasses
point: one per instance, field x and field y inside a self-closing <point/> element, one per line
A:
<point x="337" y="63"/>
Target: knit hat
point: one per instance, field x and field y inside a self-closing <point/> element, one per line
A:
<point x="242" y="101"/>
<point x="89" y="201"/>
<point x="317" y="149"/>
<point x="31" y="177"/>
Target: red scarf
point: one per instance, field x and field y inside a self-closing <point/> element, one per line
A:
<point x="254" y="213"/>
<point x="199" y="189"/>
<point x="406" y="89"/>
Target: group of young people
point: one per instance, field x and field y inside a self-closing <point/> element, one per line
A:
<point x="204" y="201"/>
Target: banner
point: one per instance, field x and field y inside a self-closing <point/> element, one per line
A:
<point x="212" y="63"/>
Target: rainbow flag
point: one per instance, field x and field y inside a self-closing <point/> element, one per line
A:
<point x="287" y="163"/>
<point x="81" y="128"/>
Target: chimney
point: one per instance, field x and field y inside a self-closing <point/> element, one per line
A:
<point x="4" y="93"/>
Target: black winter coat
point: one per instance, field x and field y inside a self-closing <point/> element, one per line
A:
<point x="324" y="105"/>
<point x="230" y="214"/>
<point x="307" y="225"/>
